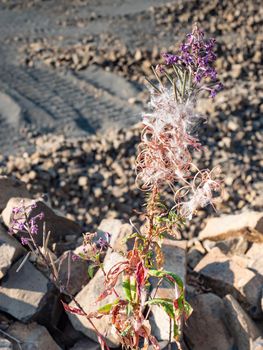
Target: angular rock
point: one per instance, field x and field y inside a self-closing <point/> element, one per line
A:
<point x="255" y="254"/>
<point x="73" y="273"/>
<point x="86" y="345"/>
<point x="174" y="261"/>
<point x="10" y="250"/>
<point x="233" y="246"/>
<point x="230" y="276"/>
<point x="32" y="337"/>
<point x="194" y="255"/>
<point x="11" y="187"/>
<point x="206" y="328"/>
<point x="242" y="327"/>
<point x="87" y="298"/>
<point x="248" y="224"/>
<point x="59" y="226"/>
<point x="5" y="344"/>
<point x="23" y="294"/>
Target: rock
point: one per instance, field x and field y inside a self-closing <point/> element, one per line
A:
<point x="255" y="254"/>
<point x="206" y="328"/>
<point x="247" y="224"/>
<point x="73" y="272"/>
<point x="232" y="246"/>
<point x="225" y="275"/>
<point x="11" y="187"/>
<point x="236" y="70"/>
<point x="87" y="298"/>
<point x="5" y="344"/>
<point x="119" y="233"/>
<point x="243" y="329"/>
<point x="23" y="294"/>
<point x="257" y="344"/>
<point x="174" y="261"/>
<point x="10" y="250"/>
<point x="195" y="254"/>
<point x="86" y="345"/>
<point x="59" y="226"/>
<point x="32" y="337"/>
<point x="83" y="181"/>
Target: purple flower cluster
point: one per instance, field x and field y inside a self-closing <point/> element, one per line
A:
<point x="24" y="222"/>
<point x="198" y="57"/>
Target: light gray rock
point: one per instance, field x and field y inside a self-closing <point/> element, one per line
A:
<point x="59" y="226"/>
<point x="87" y="299"/>
<point x="230" y="226"/>
<point x="241" y="326"/>
<point x="11" y="187"/>
<point x="5" y="344"/>
<point x="32" y="337"/>
<point x="174" y="261"/>
<point x="10" y="250"/>
<point x="119" y="233"/>
<point x="23" y="294"/>
<point x="255" y="254"/>
<point x="231" y="276"/>
<point x="206" y="328"/>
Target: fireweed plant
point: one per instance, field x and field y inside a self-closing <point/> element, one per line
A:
<point x="164" y="161"/>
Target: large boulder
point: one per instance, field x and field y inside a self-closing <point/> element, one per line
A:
<point x="59" y="226"/>
<point x="11" y="187"/>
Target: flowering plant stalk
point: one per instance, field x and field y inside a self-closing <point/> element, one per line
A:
<point x="164" y="160"/>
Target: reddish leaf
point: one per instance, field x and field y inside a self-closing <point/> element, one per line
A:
<point x="73" y="310"/>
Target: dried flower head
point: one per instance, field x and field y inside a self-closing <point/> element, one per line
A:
<point x="169" y="135"/>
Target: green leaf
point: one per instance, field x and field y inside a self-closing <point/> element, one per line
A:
<point x="91" y="271"/>
<point x="176" y="331"/>
<point x="129" y="309"/>
<point x="105" y="309"/>
<point x="126" y="331"/>
<point x="166" y="304"/>
<point x="126" y="286"/>
<point x="187" y="309"/>
<point x="169" y="276"/>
